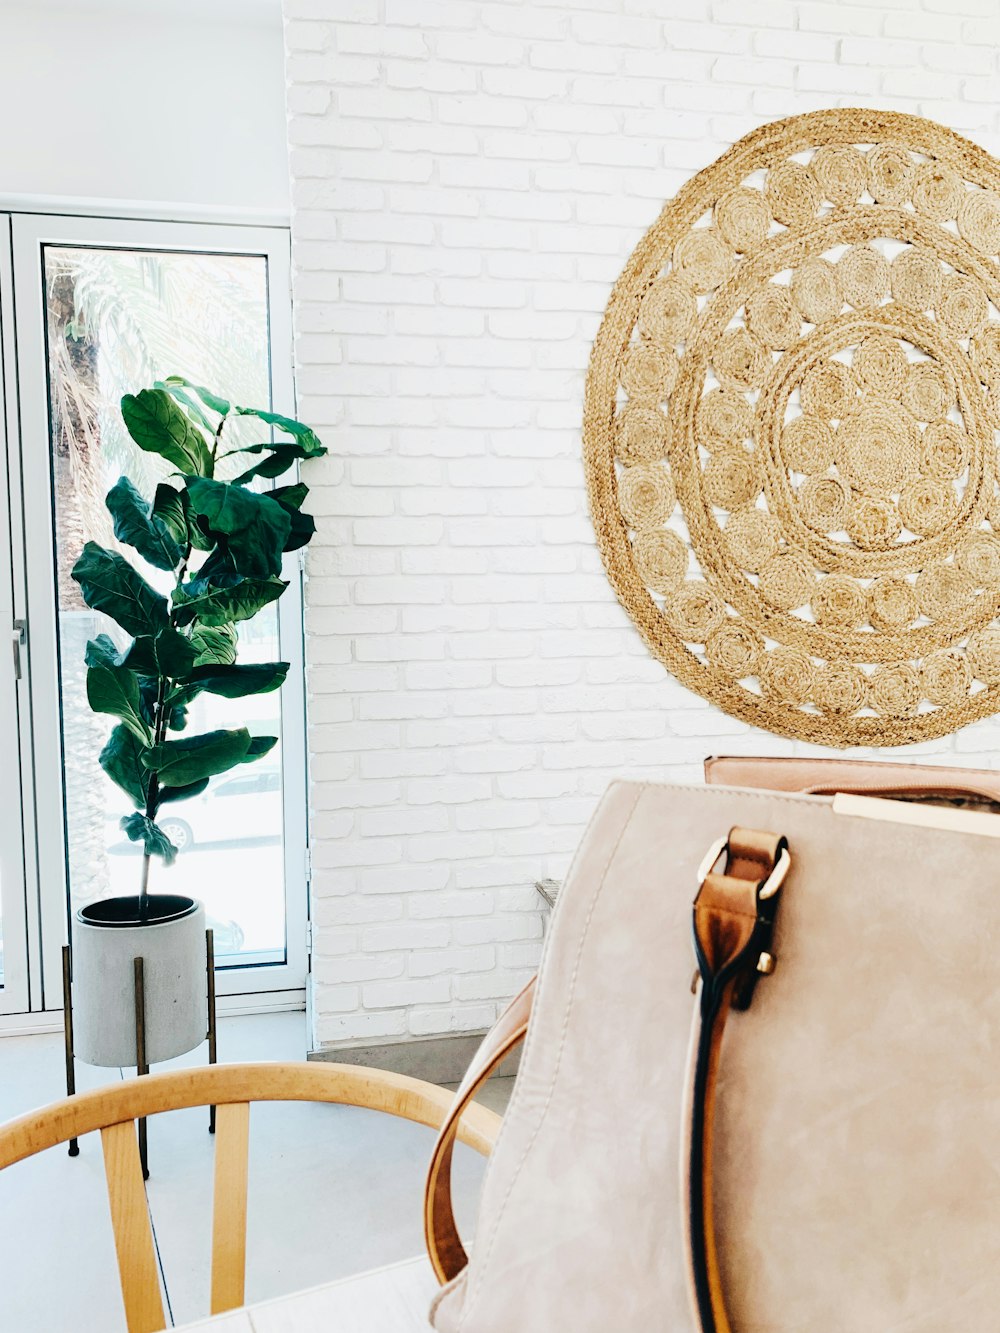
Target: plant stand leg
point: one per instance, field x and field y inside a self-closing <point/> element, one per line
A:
<point x="213" y="1050"/>
<point x="67" y="981"/>
<point x="141" y="1067"/>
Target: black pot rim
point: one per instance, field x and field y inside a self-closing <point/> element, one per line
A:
<point x="122" y="913"/>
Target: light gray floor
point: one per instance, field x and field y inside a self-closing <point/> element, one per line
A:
<point x="333" y="1191"/>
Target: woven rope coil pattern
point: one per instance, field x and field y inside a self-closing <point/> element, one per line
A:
<point x="791" y="431"/>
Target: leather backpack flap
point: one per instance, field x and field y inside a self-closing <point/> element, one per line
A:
<point x="856" y="1103"/>
<point x="965" y="788"/>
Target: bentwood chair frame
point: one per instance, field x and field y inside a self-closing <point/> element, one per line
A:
<point x="231" y="1088"/>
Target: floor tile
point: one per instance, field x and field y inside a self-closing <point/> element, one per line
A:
<point x="33" y="1073"/>
<point x="333" y="1191"/>
<point x="57" y="1259"/>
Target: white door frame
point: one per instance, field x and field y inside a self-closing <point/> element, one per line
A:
<point x="19" y="926"/>
<point x="30" y="233"/>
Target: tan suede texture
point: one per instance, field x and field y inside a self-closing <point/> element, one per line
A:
<point x="856" y="1187"/>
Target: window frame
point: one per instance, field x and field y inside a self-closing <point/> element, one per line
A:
<point x="250" y="983"/>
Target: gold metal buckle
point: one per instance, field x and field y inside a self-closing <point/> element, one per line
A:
<point x="711" y="856"/>
<point x="770" y="886"/>
<point x="776" y="878"/>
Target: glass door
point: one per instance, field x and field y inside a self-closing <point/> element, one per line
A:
<point x="106" y="307"/>
<point x="14" y="922"/>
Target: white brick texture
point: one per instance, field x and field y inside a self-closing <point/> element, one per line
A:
<point x="468" y="178"/>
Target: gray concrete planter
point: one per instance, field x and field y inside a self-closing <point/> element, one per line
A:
<point x="107" y="937"/>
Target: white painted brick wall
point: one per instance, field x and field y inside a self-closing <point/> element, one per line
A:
<point x="468" y="180"/>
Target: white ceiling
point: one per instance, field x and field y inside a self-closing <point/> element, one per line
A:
<point x="252" y="13"/>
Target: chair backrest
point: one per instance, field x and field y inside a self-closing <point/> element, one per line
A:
<point x="230" y="1088"/>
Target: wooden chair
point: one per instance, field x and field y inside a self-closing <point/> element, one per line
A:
<point x="231" y="1088"/>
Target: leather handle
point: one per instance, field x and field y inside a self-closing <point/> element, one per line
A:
<point x="704" y="1278"/>
<point x="444" y="1245"/>
<point x="826" y="777"/>
<point x="939" y="791"/>
<point x="733" y="925"/>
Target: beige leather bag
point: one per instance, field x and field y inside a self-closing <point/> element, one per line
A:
<point x="837" y="1151"/>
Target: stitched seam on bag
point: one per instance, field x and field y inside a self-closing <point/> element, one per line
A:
<point x="476" y="1286"/>
<point x="449" y="1289"/>
<point x="785" y="798"/>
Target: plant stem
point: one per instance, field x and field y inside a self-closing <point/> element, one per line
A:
<point x="143" y="898"/>
<point x="217" y="441"/>
<point x="153" y="790"/>
<point x="160" y="716"/>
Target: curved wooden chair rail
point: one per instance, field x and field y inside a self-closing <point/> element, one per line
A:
<point x="231" y="1088"/>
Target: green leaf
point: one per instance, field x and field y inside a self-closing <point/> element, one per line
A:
<point x="290" y="497"/>
<point x="212" y="400"/>
<point x="303" y="525"/>
<point x="108" y="583"/>
<point x="234" y="682"/>
<point x="104" y="652"/>
<point x="140" y="828"/>
<point x="303" y="529"/>
<point x="283" y="454"/>
<point x="177" y="720"/>
<point x="159" y="426"/>
<point x="141" y="657"/>
<point x="115" y="690"/>
<point x="174" y="654"/>
<point x="167" y="794"/>
<point x="259" y="746"/>
<point x="175" y="703"/>
<point x="219" y="606"/>
<point x="169" y="509"/>
<point x="201" y="541"/>
<point x="255" y="526"/>
<point x="215" y="645"/>
<point x="305" y="438"/>
<point x="187" y="401"/>
<point x="121" y="759"/>
<point x="272" y="466"/>
<point x="218" y="570"/>
<point x="172" y="507"/>
<point x="136" y="525"/>
<point x="178" y="763"/>
<point x="149" y="692"/>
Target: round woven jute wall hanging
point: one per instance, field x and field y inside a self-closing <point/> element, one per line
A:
<point x="791" y="431"/>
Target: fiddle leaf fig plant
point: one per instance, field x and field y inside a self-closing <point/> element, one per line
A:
<point x="223" y="543"/>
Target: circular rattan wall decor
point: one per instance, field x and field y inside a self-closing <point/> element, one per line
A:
<point x="791" y="431"/>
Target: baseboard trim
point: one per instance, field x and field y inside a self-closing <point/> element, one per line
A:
<point x="434" y="1059"/>
<point x="227" y="1006"/>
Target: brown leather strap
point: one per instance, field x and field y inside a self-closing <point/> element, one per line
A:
<point x="826" y="777"/>
<point x="733" y="923"/>
<point x="444" y="1245"/>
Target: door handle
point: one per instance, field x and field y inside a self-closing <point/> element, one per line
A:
<point x="19" y="637"/>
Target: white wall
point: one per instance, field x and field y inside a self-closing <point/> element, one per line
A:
<point x="164" y="103"/>
<point x="468" y="180"/>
